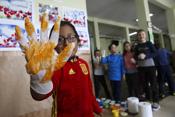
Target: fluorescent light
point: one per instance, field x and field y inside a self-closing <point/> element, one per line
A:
<point x="134" y="33"/>
<point x="151" y="14"/>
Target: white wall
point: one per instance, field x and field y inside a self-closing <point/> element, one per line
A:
<point x="104" y="43"/>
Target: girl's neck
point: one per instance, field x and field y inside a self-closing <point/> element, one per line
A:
<point x="97" y="56"/>
<point x="114" y="53"/>
<point x="128" y="51"/>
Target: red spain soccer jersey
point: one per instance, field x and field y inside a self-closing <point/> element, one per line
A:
<point x="74" y="90"/>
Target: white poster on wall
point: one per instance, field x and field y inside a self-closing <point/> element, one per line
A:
<point x="79" y="19"/>
<point x="52" y="11"/>
<point x="7" y="38"/>
<point x="15" y="9"/>
<point x="12" y="13"/>
<point x="76" y="16"/>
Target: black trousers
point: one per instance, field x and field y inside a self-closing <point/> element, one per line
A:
<point x="99" y="80"/>
<point x="164" y="75"/>
<point x="116" y="90"/>
<point x="132" y="83"/>
<point x="148" y="83"/>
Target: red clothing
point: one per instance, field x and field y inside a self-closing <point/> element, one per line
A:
<point x="74" y="90"/>
<point x="127" y="60"/>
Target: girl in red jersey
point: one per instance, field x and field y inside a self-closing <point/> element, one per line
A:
<point x="72" y="83"/>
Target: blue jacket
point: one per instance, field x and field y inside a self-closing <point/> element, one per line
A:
<point x="162" y="57"/>
<point x="115" y="66"/>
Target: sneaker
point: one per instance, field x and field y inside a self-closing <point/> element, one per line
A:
<point x="162" y="96"/>
<point x="155" y="106"/>
<point x="173" y="94"/>
<point x="142" y="97"/>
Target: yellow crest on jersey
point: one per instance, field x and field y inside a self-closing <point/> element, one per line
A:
<point x="84" y="68"/>
<point x="71" y="72"/>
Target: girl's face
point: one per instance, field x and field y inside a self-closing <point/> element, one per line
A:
<point x="98" y="53"/>
<point x="141" y="36"/>
<point x="113" y="48"/>
<point x="67" y="35"/>
<point x="127" y="47"/>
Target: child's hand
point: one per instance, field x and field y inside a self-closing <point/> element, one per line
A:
<point x="103" y="53"/>
<point x="133" y="61"/>
<point x="142" y="56"/>
<point x="98" y="59"/>
<point x="124" y="78"/>
<point x="40" y="54"/>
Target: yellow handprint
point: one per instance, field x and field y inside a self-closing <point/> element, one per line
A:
<point x="40" y="54"/>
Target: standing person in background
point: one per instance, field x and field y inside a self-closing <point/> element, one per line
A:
<point x="144" y="53"/>
<point x="164" y="70"/>
<point x="173" y="60"/>
<point x="115" y="69"/>
<point x="99" y="78"/>
<point x="130" y="69"/>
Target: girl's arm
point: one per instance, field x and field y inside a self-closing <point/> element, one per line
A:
<point x="104" y="60"/>
<point x="152" y="52"/>
<point x="122" y="67"/>
<point x="40" y="91"/>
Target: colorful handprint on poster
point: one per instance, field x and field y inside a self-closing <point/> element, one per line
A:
<point x="52" y="12"/>
<point x="15" y="9"/>
<point x="75" y="16"/>
<point x="84" y="39"/>
<point x="7" y="37"/>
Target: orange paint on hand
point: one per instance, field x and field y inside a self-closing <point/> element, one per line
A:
<point x="44" y="22"/>
<point x="57" y="24"/>
<point x="29" y="26"/>
<point x="18" y="34"/>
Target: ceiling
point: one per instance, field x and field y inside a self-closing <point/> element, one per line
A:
<point x="125" y="11"/>
<point x="109" y="31"/>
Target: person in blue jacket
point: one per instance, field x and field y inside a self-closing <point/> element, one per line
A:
<point x="164" y="70"/>
<point x="115" y="65"/>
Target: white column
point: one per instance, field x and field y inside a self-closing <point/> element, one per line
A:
<point x="171" y="25"/>
<point x="127" y="34"/>
<point x="161" y="40"/>
<point x="144" y="22"/>
<point x="97" y="35"/>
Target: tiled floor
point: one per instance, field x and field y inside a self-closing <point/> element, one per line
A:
<point x="167" y="109"/>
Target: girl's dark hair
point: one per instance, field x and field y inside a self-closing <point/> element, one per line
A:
<point x="114" y="42"/>
<point x="64" y="23"/>
<point x="124" y="51"/>
<point x="97" y="50"/>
